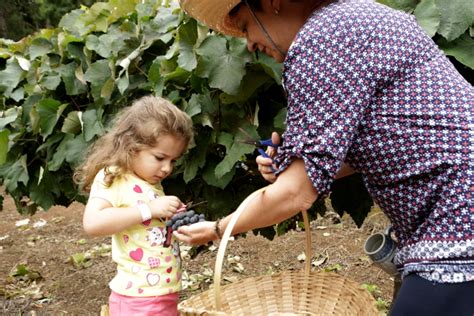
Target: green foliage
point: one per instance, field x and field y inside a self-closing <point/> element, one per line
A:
<point x="61" y="87"/>
<point x="19" y="18"/>
<point x="450" y="24"/>
<point x="24" y="273"/>
<point x="382" y="305"/>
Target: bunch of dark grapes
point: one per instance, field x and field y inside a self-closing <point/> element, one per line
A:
<point x="184" y="218"/>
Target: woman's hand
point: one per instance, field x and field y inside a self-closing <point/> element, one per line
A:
<point x="196" y="234"/>
<point x="265" y="165"/>
<point x="291" y="193"/>
<point x="165" y="206"/>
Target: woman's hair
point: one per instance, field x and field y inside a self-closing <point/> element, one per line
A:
<point x="138" y="127"/>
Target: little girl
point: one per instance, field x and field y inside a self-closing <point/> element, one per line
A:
<point x="123" y="173"/>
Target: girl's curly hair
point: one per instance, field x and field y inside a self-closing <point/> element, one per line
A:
<point x="138" y="126"/>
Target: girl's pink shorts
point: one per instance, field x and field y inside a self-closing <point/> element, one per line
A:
<point x="163" y="305"/>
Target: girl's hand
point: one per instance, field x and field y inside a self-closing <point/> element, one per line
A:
<point x="164" y="206"/>
<point x="196" y="234"/>
<point x="265" y="165"/>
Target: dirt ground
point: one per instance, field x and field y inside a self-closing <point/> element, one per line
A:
<point x="48" y="266"/>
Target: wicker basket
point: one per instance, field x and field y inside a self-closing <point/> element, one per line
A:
<point x="286" y="293"/>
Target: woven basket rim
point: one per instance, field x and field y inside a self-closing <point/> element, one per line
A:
<point x="304" y="284"/>
<point x="345" y="286"/>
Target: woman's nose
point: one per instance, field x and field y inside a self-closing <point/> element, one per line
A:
<point x="251" y="46"/>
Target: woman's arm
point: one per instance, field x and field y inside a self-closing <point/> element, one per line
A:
<point x="291" y="193"/>
<point x="266" y="167"/>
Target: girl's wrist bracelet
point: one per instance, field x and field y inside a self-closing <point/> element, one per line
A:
<point x="145" y="211"/>
<point x="217" y="229"/>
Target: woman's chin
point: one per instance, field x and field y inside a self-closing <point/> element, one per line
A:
<point x="277" y="56"/>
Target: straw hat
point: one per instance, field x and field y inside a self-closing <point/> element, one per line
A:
<point x="213" y="13"/>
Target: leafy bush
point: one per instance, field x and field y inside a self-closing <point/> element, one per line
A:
<point x="61" y="87"/>
<point x="450" y="24"/>
<point x="20" y="18"/>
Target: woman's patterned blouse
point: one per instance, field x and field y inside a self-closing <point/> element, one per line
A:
<point x="368" y="87"/>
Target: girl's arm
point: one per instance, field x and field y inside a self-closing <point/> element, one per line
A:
<point x="102" y="219"/>
<point x="291" y="193"/>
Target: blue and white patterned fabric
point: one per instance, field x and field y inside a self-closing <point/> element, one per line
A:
<point x="368" y="87"/>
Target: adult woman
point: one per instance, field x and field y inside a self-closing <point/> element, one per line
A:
<point x="367" y="91"/>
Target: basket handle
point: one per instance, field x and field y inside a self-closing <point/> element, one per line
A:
<point x="226" y="236"/>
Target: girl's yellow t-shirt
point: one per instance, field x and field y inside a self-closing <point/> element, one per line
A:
<point x="145" y="265"/>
